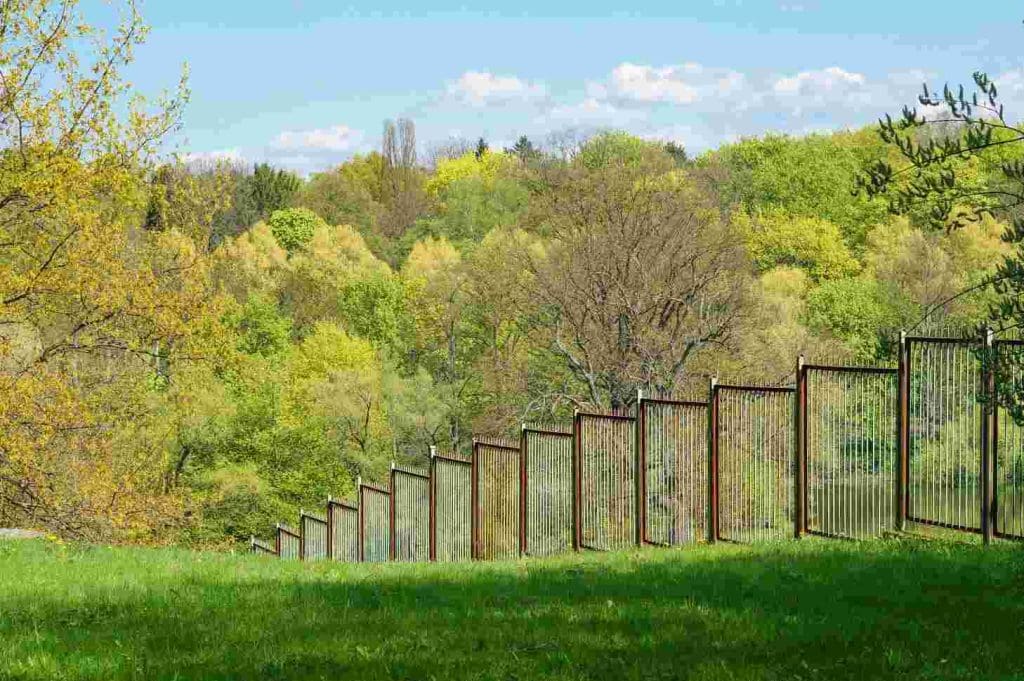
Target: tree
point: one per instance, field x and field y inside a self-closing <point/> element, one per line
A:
<point x="524" y="150"/>
<point x="400" y="178"/>
<point x="96" y="314"/>
<point x="481" y="148"/>
<point x="294" y="227"/>
<point x="640" y="274"/>
<point x="271" y="189"/>
<point x="941" y="147"/>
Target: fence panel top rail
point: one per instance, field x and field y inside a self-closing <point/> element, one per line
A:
<point x="342" y="504"/>
<point x="849" y="370"/>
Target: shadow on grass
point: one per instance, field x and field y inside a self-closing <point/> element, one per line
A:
<point x="890" y="610"/>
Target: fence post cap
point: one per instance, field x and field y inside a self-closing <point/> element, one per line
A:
<point x="329" y="498"/>
<point x="433" y="451"/>
<point x="392" y="465"/>
<point x="359" y="481"/>
<point x="903" y="336"/>
<point x="639" y="394"/>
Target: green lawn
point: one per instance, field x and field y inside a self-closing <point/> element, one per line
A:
<point x="897" y="609"/>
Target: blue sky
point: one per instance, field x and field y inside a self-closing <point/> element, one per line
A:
<point x="306" y="83"/>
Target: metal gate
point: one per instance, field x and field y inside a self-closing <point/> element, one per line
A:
<point x="452" y="508"/>
<point x="605" y="481"/>
<point x="313" y="529"/>
<point x="944" y="437"/>
<point x="496" y="472"/>
<point x="753" y="454"/>
<point x="374" y="524"/>
<point x="410" y="531"/>
<point x="343" y="531"/>
<point x="673" y="471"/>
<point x="1009" y="447"/>
<point x="547" y="493"/>
<point x="851" y="444"/>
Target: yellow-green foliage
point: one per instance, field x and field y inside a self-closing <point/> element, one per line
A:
<point x="486" y="168"/>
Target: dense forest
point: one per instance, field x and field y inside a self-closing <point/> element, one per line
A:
<point x="192" y="350"/>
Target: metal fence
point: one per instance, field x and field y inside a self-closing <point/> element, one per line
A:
<point x="547" y="459"/>
<point x="843" y="452"/>
<point x="343" y="531"/>
<point x="375" y="515"/>
<point x="1008" y="463"/>
<point x="851" y="435"/>
<point x="755" y="459"/>
<point x="287" y="543"/>
<point x="313" y="542"/>
<point x="452" y="508"/>
<point x="496" y="482"/>
<point x="410" y="513"/>
<point x="605" y="481"/>
<point x="673" y="471"/>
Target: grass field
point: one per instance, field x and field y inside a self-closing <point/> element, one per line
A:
<point x="810" y="610"/>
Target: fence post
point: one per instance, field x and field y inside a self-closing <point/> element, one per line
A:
<point x="713" y="460"/>
<point x="474" y="502"/>
<point x="577" y="486"/>
<point x="330" y="529"/>
<point x="360" y="532"/>
<point x="903" y="434"/>
<point x="393" y="540"/>
<point x="800" y="474"/>
<point x="988" y="430"/>
<point x="641" y="470"/>
<point x="302" y="534"/>
<point x="522" y="491"/>
<point x="432" y="496"/>
<point x="277" y="539"/>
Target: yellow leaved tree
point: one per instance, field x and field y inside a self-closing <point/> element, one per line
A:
<point x="96" y="311"/>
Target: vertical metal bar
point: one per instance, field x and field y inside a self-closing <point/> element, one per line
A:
<point x="800" y="472"/>
<point x="522" y="490"/>
<point x="713" y="461"/>
<point x="988" y="429"/>
<point x="302" y="534"/>
<point x="577" y="532"/>
<point x="474" y="502"/>
<point x="277" y="540"/>
<point x="641" y="470"/>
<point x="903" y="434"/>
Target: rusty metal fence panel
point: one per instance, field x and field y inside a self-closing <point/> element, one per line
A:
<point x="374" y="524"/>
<point x="314" y="537"/>
<point x="343" y="531"/>
<point x="288" y="542"/>
<point x="261" y="548"/>
<point x="674" y="471"/>
<point x="756" y="460"/>
<point x="1009" y="448"/>
<point x="944" y="432"/>
<point x="851" y="439"/>
<point x="547" y="464"/>
<point x="411" y="531"/>
<point x="496" y="511"/>
<point x="453" y="509"/>
<point x="606" y="481"/>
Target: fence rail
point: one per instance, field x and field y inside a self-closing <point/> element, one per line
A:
<point x="843" y="452"/>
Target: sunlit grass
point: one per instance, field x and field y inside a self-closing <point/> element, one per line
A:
<point x="814" y="609"/>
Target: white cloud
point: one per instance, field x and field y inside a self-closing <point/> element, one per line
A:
<point x="650" y="84"/>
<point x="832" y="79"/>
<point x="337" y="138"/>
<point x="685" y="83"/>
<point x="480" y="88"/>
